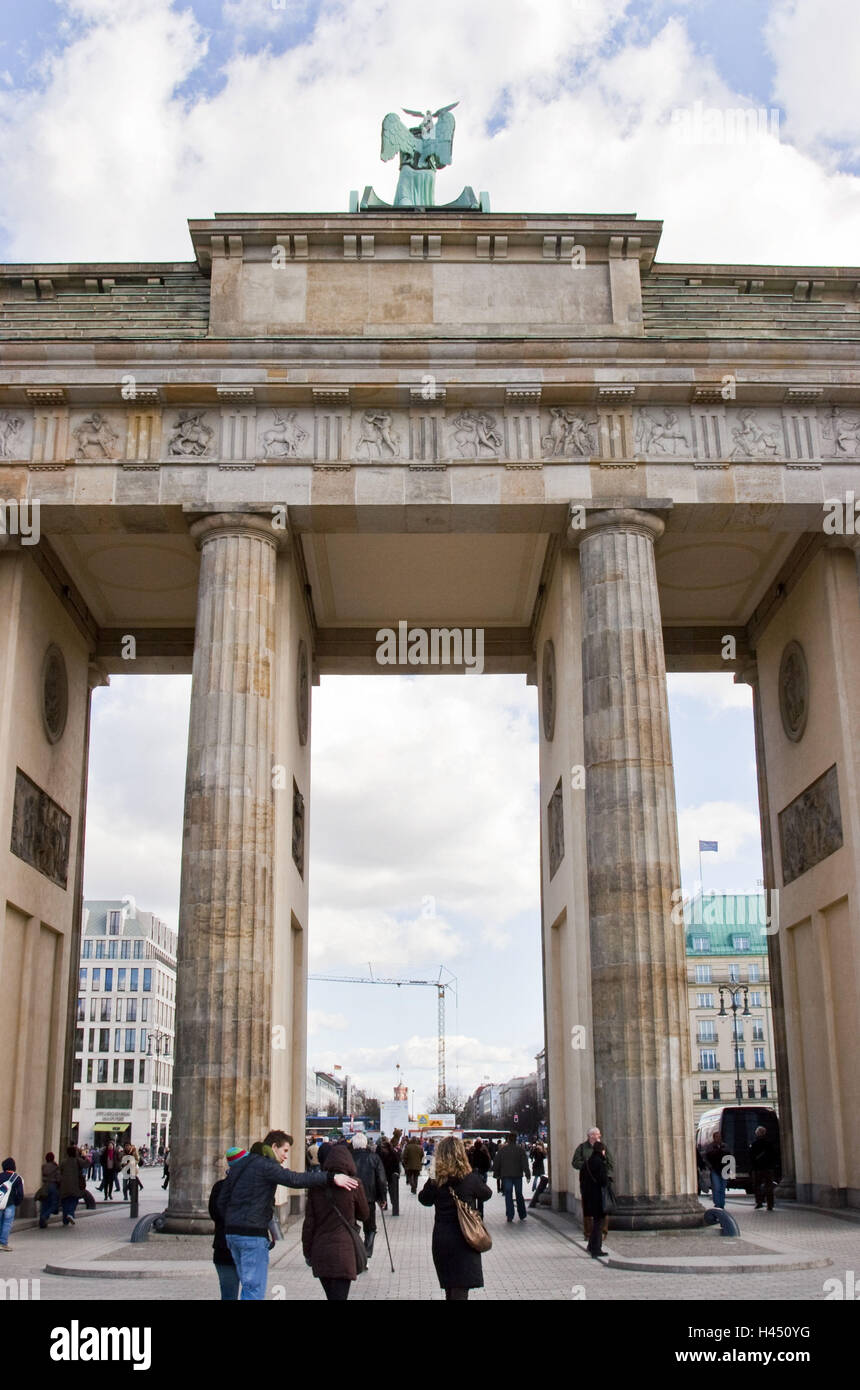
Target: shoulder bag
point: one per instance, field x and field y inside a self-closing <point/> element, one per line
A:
<point x="472" y="1228"/>
<point x="360" y="1252"/>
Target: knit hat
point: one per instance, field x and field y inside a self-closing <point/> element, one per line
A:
<point x="234" y="1153"/>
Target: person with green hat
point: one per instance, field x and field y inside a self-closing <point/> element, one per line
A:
<point x="225" y="1268"/>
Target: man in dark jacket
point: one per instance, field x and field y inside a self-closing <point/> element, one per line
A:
<point x="764" y="1163"/>
<point x="372" y="1178"/>
<point x="246" y="1205"/>
<point x="13" y="1190"/>
<point x="581" y="1155"/>
<point x="511" y="1164"/>
<point x="389" y="1156"/>
<point x="413" y="1158"/>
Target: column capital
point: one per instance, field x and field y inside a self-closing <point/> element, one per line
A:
<point x="583" y="523"/>
<point x="747" y="673"/>
<point x="252" y="525"/>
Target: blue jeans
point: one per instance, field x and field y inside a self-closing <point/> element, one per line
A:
<point x="69" y="1205"/>
<point x="718" y="1187"/>
<point x="251" y="1258"/>
<point x="510" y="1186"/>
<point x="7" y="1216"/>
<point x="228" y="1278"/>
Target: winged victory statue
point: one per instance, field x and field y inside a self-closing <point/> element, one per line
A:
<point x="423" y="149"/>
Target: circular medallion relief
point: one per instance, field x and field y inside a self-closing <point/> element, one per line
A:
<point x="548" y="691"/>
<point x="793" y="691"/>
<point x="302" y="694"/>
<point x="55" y="694"/>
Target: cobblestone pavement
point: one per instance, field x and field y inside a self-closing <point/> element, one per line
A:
<point x="537" y="1259"/>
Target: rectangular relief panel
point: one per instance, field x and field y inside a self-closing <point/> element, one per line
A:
<point x="810" y="827"/>
<point x="41" y="830"/>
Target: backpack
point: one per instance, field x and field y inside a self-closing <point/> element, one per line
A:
<point x="6" y="1190"/>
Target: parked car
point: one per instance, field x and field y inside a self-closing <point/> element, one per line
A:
<point x="737" y="1125"/>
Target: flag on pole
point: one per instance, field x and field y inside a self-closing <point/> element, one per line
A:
<point x="705" y="845"/>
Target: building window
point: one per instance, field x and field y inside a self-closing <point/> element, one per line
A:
<point x="707" y="1030"/>
<point x="105" y="1011"/>
<point x="704" y="1001"/>
<point x="82" y="1011"/>
<point x="77" y="1070"/>
<point x="758" y="1058"/>
<point x="76" y="1100"/>
<point x="89" y="1072"/>
<point x="739" y="1058"/>
<point x="703" y="1090"/>
<point x="104" y="1040"/>
<point x="116" y="1071"/>
<point x="113" y="923"/>
<point x="129" y="1039"/>
<point x="762" y="1090"/>
<point x="703" y="974"/>
<point x="87" y="950"/>
<point x="112" y="948"/>
<point x="758" y="1030"/>
<point x="119" y="1011"/>
<point x="125" y="950"/>
<point x="82" y="979"/>
<point x="131" y="1011"/>
<point x="109" y="979"/>
<point x="97" y="978"/>
<point x="102" y="1071"/>
<point x="707" y="1059"/>
<point x="734" y="973"/>
<point x="120" y="977"/>
<point x="117" y="1039"/>
<point x="755" y="998"/>
<point x="715" y="1090"/>
<point x="701" y="943"/>
<point x="138" y="950"/>
<point x="93" y="1003"/>
<point x="753" y="973"/>
<point x="133" y="976"/>
<point x="91" y="1046"/>
<point x="79" y="1039"/>
<point x="147" y="978"/>
<point x="740" y="943"/>
<point x="128" y="1072"/>
<point x="144" y="1010"/>
<point x="141" y="1071"/>
<point x="737" y="1029"/>
<point x="100" y="949"/>
<point x="751" y="1090"/>
<point x="143" y="1039"/>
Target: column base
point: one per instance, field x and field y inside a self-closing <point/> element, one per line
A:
<point x="680" y="1212"/>
<point x="187" y="1220"/>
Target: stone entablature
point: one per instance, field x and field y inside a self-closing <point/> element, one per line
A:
<point x="611" y="432"/>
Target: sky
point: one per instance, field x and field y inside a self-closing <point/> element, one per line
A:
<point x="119" y="121"/>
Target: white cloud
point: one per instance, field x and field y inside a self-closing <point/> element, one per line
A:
<point x="320" y="1021"/>
<point x="814" y="45"/>
<point x="736" y="828"/>
<point x="713" y="693"/>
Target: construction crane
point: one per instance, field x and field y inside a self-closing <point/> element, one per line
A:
<point x="440" y="986"/>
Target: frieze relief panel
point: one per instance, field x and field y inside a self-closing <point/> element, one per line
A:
<point x="706" y="434"/>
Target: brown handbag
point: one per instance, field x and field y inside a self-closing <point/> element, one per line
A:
<point x="472" y="1228"/>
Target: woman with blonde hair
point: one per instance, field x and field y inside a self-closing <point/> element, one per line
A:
<point x="457" y="1264"/>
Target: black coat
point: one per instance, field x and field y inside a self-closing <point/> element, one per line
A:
<point x="246" y="1202"/>
<point x="457" y="1264"/>
<point x="371" y="1175"/>
<point x="593" y="1177"/>
<point x="763" y="1154"/>
<point x="220" y="1249"/>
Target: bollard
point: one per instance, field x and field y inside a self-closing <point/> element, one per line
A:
<point x="133" y="1198"/>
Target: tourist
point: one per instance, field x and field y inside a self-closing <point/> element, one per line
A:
<point x="593" y="1185"/>
<point x="110" y="1166"/>
<point x="165" y="1169"/>
<point x="458" y="1266"/>
<point x="413" y="1158"/>
<point x="389" y="1157"/>
<point x="538" y="1157"/>
<point x="479" y="1158"/>
<point x="371" y="1173"/>
<point x="247" y="1206"/>
<point x="581" y="1155"/>
<point x="95" y="1163"/>
<point x="73" y="1181"/>
<point x="129" y="1165"/>
<point x="715" y="1155"/>
<point x="49" y="1192"/>
<point x="329" y="1235"/>
<point x="11" y="1197"/>
<point x="225" y="1267"/>
<point x="511" y="1165"/>
<point x="763" y="1161"/>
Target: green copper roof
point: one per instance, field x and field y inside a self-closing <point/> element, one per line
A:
<point x="725" y="919"/>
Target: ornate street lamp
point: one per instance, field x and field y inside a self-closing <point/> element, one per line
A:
<point x="734" y="1006"/>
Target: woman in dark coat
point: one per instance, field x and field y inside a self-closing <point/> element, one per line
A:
<point x="593" y="1179"/>
<point x="328" y="1246"/>
<point x="72" y="1183"/>
<point x="50" y="1190"/>
<point x="457" y="1264"/>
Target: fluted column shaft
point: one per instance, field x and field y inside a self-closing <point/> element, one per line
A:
<point x="223" y="998"/>
<point x="640" y="1019"/>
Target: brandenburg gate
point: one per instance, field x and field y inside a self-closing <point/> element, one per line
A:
<point x="245" y="464"/>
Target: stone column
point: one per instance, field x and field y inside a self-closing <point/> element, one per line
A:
<point x="639" y="992"/>
<point x="224" y="987"/>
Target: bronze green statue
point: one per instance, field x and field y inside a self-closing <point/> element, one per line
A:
<point x="423" y="149"/>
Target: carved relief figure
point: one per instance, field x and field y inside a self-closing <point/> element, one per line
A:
<point x="751" y="441"/>
<point x="844" y="431"/>
<point x="95" y="438"/>
<point x="569" y="434"/>
<point x="656" y="436"/>
<point x="191" y="435"/>
<point x="475" y="431"/>
<point x="377" y="435"/>
<point x="285" y="437"/>
<point x="9" y="427"/>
